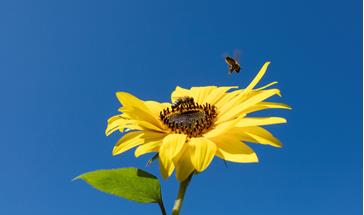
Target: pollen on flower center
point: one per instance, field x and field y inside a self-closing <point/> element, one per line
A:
<point x="188" y="117"/>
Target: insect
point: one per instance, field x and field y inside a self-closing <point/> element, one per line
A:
<point x="181" y="100"/>
<point x="233" y="63"/>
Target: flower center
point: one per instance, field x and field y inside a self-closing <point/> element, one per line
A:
<point x="188" y="117"/>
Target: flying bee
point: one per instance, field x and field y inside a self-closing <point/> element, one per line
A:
<point x="181" y="100"/>
<point x="233" y="63"/>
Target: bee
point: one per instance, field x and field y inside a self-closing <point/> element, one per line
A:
<point x="233" y="63"/>
<point x="181" y="100"/>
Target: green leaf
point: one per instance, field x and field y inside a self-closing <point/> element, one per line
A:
<point x="129" y="183"/>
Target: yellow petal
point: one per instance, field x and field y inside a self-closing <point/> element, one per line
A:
<point x="180" y="92"/>
<point x="266" y="105"/>
<point x="115" y="123"/>
<point x="139" y="125"/>
<point x="217" y="94"/>
<point x="237" y="97"/>
<point x="260" y="135"/>
<point x="229" y="99"/>
<point x="228" y="105"/>
<point x="183" y="164"/>
<point x="127" y="100"/>
<point x="166" y="171"/>
<point x="137" y="109"/>
<point x="266" y="86"/>
<point x="200" y="93"/>
<point x="148" y="126"/>
<point x="230" y="148"/>
<point x="171" y="146"/>
<point x="115" y="118"/>
<point x="254" y="121"/>
<point x="257" y="92"/>
<point x="156" y="107"/>
<point x="202" y="152"/>
<point x="221" y="128"/>
<point x="236" y="110"/>
<point x="149" y="147"/>
<point x="127" y="142"/>
<point x="143" y="114"/>
<point x="132" y="125"/>
<point x="258" y="77"/>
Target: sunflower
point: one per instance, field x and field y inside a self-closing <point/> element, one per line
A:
<point x="199" y="124"/>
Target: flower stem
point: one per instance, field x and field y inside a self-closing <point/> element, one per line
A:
<point x="163" y="209"/>
<point x="181" y="194"/>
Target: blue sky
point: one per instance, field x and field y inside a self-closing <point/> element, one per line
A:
<point x="61" y="63"/>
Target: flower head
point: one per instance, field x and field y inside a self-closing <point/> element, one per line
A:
<point x="199" y="124"/>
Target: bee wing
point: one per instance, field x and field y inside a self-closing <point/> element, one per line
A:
<point x="237" y="55"/>
<point x="230" y="70"/>
<point x="237" y="58"/>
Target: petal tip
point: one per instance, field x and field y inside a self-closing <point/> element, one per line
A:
<point x="114" y="152"/>
<point x="137" y="154"/>
<point x="255" y="159"/>
<point x="280" y="145"/>
<point x="120" y="93"/>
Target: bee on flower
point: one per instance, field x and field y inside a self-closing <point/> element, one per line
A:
<point x="199" y="124"/>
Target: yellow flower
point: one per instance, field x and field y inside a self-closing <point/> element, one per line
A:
<point x="200" y="123"/>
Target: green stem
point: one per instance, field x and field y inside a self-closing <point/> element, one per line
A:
<point x="161" y="205"/>
<point x="181" y="194"/>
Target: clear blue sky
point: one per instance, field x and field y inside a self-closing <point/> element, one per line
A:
<point x="61" y="63"/>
